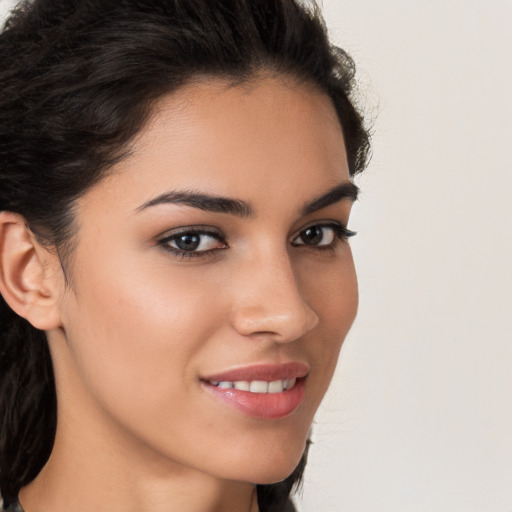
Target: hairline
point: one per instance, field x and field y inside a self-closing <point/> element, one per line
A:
<point x="245" y="80"/>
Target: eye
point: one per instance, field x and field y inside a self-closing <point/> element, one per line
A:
<point x="192" y="242"/>
<point x="322" y="235"/>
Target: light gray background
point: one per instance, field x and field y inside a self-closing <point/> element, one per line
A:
<point x="419" y="416"/>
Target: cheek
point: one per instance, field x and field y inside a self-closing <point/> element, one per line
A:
<point x="135" y="336"/>
<point x="331" y="290"/>
<point x="333" y="294"/>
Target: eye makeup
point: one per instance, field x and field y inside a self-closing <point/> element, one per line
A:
<point x="204" y="241"/>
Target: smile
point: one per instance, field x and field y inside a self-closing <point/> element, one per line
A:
<point x="257" y="386"/>
<point x="266" y="391"/>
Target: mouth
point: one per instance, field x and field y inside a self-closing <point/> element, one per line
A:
<point x="260" y="391"/>
<point x="257" y="386"/>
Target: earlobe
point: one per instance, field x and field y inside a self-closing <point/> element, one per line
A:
<point x="26" y="282"/>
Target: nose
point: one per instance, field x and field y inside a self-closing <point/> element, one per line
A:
<point x="269" y="301"/>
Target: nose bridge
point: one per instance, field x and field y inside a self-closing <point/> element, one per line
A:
<point x="270" y="300"/>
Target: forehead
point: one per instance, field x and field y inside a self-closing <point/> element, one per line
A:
<point x="257" y="138"/>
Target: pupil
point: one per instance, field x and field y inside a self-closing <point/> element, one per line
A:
<point x="312" y="236"/>
<point x="188" y="242"/>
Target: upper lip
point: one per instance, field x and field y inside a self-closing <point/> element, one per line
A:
<point x="266" y="372"/>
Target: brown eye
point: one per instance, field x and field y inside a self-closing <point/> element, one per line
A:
<point x="322" y="235"/>
<point x="193" y="242"/>
<point x="316" y="235"/>
<point x="188" y="242"/>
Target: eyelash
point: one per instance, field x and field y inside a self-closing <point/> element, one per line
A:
<point x="193" y="231"/>
<point x="340" y="233"/>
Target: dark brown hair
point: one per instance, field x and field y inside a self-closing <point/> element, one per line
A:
<point x="77" y="82"/>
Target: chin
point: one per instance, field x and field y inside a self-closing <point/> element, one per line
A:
<point x="275" y="474"/>
<point x="276" y="466"/>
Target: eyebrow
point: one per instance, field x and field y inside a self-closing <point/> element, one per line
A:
<point x="203" y="202"/>
<point x="218" y="204"/>
<point x="346" y="190"/>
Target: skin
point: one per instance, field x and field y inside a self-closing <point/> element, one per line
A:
<point x="139" y="325"/>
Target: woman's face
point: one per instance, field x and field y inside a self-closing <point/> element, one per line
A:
<point x="212" y="284"/>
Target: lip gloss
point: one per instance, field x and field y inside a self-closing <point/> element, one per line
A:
<point x="260" y="405"/>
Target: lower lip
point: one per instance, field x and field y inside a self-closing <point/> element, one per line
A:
<point x="261" y="405"/>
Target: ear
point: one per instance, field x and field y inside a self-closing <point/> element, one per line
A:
<point x="30" y="275"/>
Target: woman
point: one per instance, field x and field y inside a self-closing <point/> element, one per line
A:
<point x="175" y="189"/>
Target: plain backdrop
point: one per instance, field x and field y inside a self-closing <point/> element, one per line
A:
<point x="419" y="415"/>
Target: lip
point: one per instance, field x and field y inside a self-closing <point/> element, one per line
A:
<point x="261" y="405"/>
<point x="266" y="372"/>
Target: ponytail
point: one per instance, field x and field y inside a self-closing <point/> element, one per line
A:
<point x="27" y="402"/>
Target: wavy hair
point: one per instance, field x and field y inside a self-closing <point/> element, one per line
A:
<point x="77" y="82"/>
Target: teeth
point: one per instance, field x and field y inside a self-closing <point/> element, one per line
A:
<point x="277" y="386"/>
<point x="257" y="386"/>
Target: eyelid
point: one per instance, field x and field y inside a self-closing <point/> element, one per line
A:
<point x="341" y="231"/>
<point x="341" y="234"/>
<point x="202" y="229"/>
<point x="165" y="239"/>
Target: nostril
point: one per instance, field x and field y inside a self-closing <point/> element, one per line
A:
<point x="311" y="321"/>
